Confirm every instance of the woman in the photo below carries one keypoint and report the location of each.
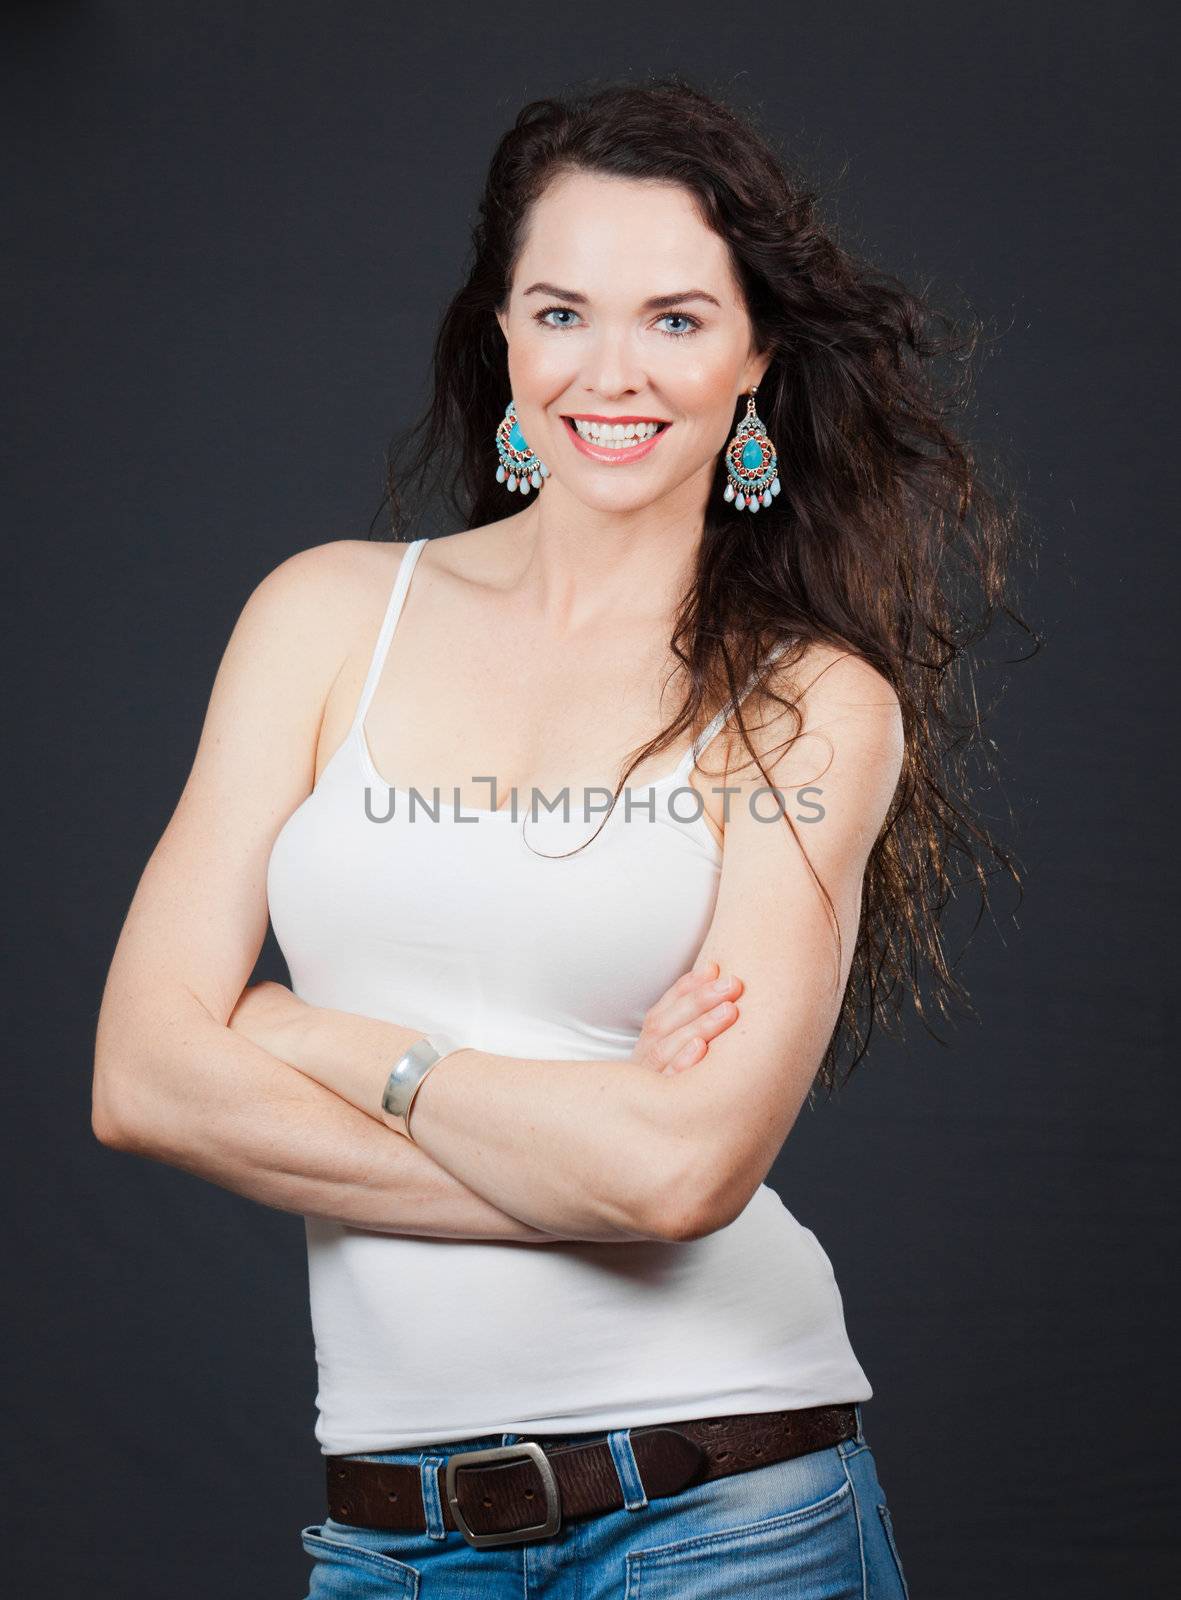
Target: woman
(566, 1335)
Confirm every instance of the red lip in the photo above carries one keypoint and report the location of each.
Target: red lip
(612, 457)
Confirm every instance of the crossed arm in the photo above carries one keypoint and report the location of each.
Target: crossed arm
(546, 1167)
(239, 1104)
(523, 1149)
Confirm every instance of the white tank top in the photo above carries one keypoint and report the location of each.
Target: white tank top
(421, 1340)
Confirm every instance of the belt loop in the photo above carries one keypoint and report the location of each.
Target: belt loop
(635, 1497)
(432, 1503)
(860, 1436)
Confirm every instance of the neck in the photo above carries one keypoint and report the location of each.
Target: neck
(579, 568)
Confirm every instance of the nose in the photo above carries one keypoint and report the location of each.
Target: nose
(613, 367)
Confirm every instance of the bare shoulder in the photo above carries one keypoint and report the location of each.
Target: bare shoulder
(306, 620)
(831, 683)
(836, 701)
(330, 584)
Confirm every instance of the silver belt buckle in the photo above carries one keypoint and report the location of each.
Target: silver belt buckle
(527, 1450)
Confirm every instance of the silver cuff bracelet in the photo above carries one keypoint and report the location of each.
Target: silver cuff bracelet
(407, 1076)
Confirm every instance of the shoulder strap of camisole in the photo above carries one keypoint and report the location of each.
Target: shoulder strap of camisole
(716, 723)
(389, 622)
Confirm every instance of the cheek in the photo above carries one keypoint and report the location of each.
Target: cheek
(704, 395)
(536, 367)
(707, 387)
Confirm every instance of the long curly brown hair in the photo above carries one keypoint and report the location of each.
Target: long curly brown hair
(884, 542)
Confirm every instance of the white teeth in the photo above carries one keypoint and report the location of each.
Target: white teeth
(617, 435)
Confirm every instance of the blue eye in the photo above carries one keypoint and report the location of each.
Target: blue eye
(681, 316)
(669, 316)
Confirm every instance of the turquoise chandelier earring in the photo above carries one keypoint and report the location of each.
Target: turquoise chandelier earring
(519, 467)
(751, 463)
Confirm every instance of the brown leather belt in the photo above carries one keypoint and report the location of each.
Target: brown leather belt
(496, 1495)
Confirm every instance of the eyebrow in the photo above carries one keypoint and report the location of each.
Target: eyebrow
(656, 302)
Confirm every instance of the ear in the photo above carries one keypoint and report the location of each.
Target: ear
(756, 368)
(502, 319)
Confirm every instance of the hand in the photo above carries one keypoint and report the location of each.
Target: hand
(678, 1028)
(265, 1014)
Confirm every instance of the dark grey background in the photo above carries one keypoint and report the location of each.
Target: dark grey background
(231, 232)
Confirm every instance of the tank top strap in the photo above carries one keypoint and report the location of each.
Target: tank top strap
(716, 723)
(389, 622)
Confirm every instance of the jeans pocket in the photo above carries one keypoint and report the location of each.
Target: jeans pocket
(811, 1548)
(888, 1525)
(351, 1562)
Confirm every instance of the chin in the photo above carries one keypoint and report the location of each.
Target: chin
(602, 495)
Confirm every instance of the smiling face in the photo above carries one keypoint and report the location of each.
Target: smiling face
(629, 342)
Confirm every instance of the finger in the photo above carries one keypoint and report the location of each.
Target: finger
(687, 1007)
(715, 1021)
(688, 1056)
(681, 1000)
(688, 981)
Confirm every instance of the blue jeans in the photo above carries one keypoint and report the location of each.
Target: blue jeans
(816, 1528)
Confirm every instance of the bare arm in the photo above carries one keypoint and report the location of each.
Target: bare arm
(254, 1124)
(172, 1081)
(230, 1113)
(351, 1054)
